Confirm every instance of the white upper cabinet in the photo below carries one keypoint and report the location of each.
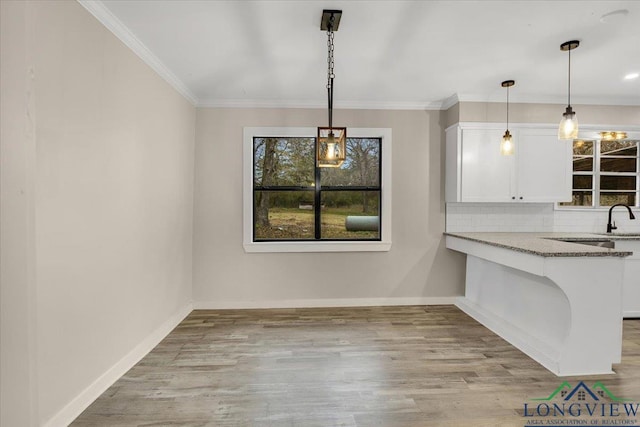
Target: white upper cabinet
(544, 166)
(487, 176)
(539, 171)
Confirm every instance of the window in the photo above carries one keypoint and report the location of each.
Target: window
(605, 173)
(290, 205)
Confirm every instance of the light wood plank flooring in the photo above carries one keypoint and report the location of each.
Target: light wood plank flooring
(374, 366)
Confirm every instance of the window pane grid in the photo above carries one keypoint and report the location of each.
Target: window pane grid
(342, 219)
(608, 169)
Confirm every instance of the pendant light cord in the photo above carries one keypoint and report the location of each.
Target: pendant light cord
(569, 79)
(507, 108)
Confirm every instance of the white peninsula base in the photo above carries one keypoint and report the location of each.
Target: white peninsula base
(564, 312)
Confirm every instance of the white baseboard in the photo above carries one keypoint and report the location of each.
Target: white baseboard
(74, 408)
(631, 314)
(326, 302)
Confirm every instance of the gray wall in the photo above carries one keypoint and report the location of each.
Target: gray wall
(97, 205)
(418, 265)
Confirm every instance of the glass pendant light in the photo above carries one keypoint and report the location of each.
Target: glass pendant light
(568, 128)
(332, 141)
(506, 146)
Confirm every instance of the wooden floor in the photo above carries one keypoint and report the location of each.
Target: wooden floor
(374, 366)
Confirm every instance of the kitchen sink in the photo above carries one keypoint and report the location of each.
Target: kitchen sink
(600, 243)
(620, 234)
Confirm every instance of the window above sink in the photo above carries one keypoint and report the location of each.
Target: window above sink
(605, 172)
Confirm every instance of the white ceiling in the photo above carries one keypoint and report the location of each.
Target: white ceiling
(389, 54)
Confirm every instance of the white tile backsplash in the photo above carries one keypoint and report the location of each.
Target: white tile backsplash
(595, 221)
(534, 217)
(520, 217)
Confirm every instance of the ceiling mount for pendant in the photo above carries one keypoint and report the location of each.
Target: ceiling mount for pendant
(327, 16)
(570, 45)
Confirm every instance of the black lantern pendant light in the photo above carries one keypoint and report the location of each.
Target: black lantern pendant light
(332, 141)
(506, 146)
(569, 124)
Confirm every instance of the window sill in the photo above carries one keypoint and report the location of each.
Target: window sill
(275, 247)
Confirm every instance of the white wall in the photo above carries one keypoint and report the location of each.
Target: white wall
(105, 200)
(418, 266)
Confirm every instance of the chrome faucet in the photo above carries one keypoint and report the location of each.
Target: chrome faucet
(612, 226)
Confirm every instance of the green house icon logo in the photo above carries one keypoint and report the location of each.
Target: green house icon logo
(582, 392)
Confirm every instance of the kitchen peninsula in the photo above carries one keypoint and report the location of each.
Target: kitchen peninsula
(557, 300)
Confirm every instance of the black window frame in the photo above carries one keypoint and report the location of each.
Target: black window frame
(318, 190)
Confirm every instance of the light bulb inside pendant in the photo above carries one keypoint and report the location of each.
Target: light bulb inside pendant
(331, 146)
(506, 146)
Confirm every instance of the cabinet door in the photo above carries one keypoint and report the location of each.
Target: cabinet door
(631, 286)
(543, 166)
(487, 176)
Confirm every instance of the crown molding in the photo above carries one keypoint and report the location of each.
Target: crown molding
(383, 105)
(450, 102)
(560, 99)
(344, 105)
(257, 103)
(113, 24)
(420, 106)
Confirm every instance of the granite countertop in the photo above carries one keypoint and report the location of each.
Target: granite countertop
(551, 244)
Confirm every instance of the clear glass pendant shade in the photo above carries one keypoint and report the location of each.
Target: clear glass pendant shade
(568, 128)
(332, 147)
(506, 146)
